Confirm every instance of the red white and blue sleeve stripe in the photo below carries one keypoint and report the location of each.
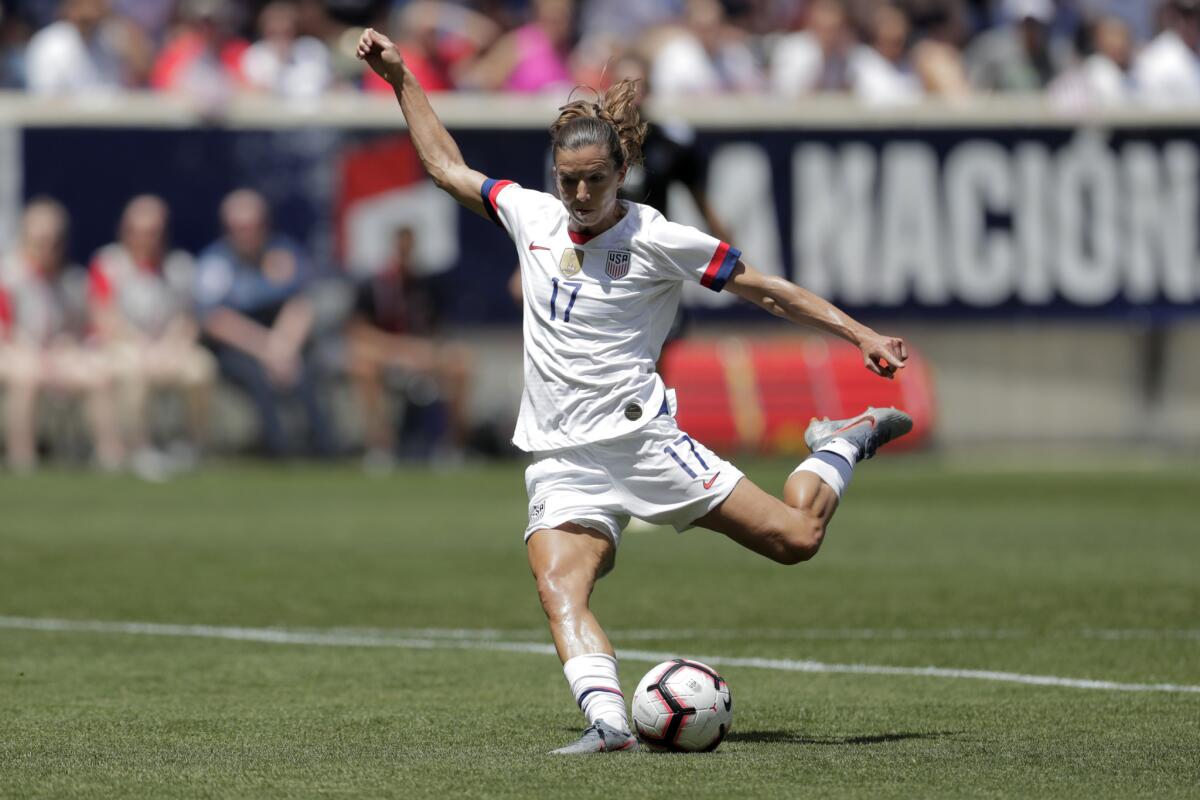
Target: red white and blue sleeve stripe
(720, 266)
(489, 192)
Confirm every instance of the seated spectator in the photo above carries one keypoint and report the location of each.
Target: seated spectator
(86, 53)
(533, 58)
(625, 20)
(942, 21)
(1166, 72)
(14, 38)
(393, 334)
(437, 40)
(152, 17)
(1018, 56)
(251, 292)
(1104, 78)
(41, 350)
(202, 57)
(141, 314)
(326, 22)
(881, 70)
(704, 56)
(817, 58)
(282, 61)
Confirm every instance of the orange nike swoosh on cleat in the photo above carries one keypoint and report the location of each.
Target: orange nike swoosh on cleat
(867, 418)
(708, 484)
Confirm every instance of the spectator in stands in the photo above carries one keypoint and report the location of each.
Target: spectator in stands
(251, 291)
(1166, 72)
(202, 57)
(1104, 77)
(392, 338)
(625, 20)
(533, 58)
(88, 52)
(437, 40)
(141, 314)
(14, 37)
(1020, 55)
(703, 56)
(817, 58)
(316, 18)
(943, 21)
(152, 17)
(910, 67)
(282, 61)
(882, 72)
(42, 323)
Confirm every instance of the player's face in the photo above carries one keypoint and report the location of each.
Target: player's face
(587, 183)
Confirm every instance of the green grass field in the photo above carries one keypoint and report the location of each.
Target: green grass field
(409, 591)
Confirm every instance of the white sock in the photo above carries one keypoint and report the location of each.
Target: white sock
(833, 464)
(593, 681)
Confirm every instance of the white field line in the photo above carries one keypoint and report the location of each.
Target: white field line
(802, 634)
(349, 638)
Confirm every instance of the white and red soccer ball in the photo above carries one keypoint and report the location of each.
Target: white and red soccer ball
(682, 705)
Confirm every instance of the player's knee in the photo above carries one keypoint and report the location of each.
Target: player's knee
(801, 539)
(560, 588)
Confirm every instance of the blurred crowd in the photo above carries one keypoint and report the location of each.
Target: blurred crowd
(1082, 53)
(145, 323)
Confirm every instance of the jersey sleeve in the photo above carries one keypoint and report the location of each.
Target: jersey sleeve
(692, 254)
(509, 205)
(501, 212)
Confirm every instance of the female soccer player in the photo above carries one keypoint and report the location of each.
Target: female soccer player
(601, 280)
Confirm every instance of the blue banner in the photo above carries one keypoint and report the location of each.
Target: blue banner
(1045, 221)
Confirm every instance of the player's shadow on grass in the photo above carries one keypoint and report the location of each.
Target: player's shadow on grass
(792, 737)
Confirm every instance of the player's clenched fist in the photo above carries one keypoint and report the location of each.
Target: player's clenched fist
(381, 54)
(883, 355)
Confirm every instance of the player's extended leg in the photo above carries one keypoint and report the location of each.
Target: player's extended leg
(566, 562)
(791, 530)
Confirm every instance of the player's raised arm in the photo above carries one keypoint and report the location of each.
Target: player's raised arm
(883, 355)
(439, 154)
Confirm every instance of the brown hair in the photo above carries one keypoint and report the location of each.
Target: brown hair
(612, 122)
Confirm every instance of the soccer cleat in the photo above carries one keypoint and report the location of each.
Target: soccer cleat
(600, 738)
(868, 431)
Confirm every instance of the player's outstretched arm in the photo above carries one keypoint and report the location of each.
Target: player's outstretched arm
(883, 355)
(439, 154)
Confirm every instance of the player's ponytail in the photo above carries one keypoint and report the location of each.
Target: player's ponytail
(612, 122)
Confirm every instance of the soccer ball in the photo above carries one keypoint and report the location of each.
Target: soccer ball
(682, 705)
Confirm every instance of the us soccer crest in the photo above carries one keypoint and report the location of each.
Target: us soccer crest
(617, 266)
(571, 262)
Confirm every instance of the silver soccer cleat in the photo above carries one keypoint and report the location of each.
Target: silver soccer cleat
(868, 431)
(600, 738)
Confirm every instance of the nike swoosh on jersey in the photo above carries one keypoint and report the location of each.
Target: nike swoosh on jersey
(708, 484)
(533, 246)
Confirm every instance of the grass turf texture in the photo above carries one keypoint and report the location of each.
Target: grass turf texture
(1025, 566)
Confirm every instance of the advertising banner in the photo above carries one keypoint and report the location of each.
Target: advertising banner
(1045, 221)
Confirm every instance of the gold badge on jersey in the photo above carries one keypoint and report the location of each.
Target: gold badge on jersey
(571, 262)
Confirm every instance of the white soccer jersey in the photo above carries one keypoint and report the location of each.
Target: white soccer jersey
(597, 310)
(147, 296)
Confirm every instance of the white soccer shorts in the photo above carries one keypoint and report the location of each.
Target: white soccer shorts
(658, 474)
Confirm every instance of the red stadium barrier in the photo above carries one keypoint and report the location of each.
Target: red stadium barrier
(748, 394)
